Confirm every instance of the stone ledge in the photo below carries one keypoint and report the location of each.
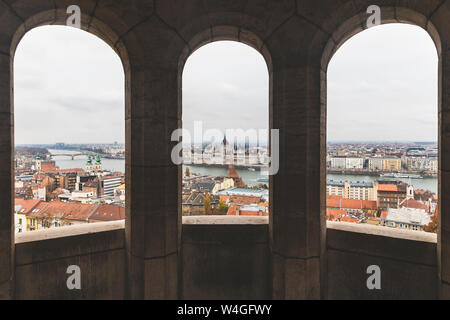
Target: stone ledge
(68, 231)
(383, 231)
(224, 220)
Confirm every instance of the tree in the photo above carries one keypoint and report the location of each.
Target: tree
(222, 207)
(432, 226)
(188, 172)
(207, 204)
(49, 220)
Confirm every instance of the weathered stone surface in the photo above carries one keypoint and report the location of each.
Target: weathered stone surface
(347, 277)
(153, 39)
(225, 261)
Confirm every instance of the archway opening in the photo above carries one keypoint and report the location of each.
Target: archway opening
(382, 130)
(225, 132)
(69, 130)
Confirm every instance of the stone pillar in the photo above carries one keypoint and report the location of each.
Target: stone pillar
(296, 220)
(152, 185)
(6, 176)
(444, 176)
(437, 25)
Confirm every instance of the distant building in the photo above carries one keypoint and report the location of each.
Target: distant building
(261, 193)
(422, 164)
(119, 193)
(193, 204)
(252, 210)
(110, 183)
(21, 209)
(392, 164)
(406, 218)
(391, 195)
(376, 164)
(354, 163)
(94, 167)
(226, 183)
(352, 190)
(338, 163)
(351, 206)
(107, 212)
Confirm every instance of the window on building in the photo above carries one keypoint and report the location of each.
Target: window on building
(382, 85)
(69, 128)
(226, 122)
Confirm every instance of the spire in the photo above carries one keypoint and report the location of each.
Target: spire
(38, 156)
(97, 159)
(89, 159)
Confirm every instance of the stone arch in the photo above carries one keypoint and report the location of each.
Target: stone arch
(199, 40)
(358, 23)
(225, 32)
(347, 29)
(18, 21)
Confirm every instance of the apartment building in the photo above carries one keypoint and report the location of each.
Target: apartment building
(422, 164)
(338, 163)
(354, 163)
(376, 164)
(392, 164)
(352, 190)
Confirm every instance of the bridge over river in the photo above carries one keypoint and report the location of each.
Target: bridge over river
(71, 155)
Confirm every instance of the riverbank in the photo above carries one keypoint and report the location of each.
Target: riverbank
(378, 172)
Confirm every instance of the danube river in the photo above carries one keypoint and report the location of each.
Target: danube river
(65, 162)
(249, 177)
(428, 183)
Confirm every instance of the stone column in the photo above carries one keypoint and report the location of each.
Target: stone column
(6, 176)
(296, 219)
(152, 183)
(444, 178)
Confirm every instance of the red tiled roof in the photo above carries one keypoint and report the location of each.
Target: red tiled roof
(240, 199)
(411, 203)
(232, 210)
(387, 187)
(68, 210)
(74, 170)
(108, 212)
(37, 211)
(335, 202)
(358, 204)
(47, 167)
(25, 205)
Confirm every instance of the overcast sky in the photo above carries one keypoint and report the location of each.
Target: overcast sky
(69, 87)
(383, 85)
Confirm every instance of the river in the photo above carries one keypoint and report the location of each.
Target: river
(427, 183)
(249, 177)
(65, 162)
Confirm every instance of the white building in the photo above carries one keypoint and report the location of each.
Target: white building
(422, 164)
(406, 218)
(354, 163)
(110, 183)
(338, 163)
(376, 164)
